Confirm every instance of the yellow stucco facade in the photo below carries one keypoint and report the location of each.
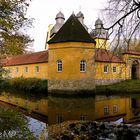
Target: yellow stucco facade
(131, 60)
(114, 72)
(71, 63)
(71, 54)
(37, 70)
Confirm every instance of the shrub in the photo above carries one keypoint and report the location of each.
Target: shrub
(25, 84)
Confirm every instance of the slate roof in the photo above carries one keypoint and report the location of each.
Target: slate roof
(103, 55)
(73, 31)
(36, 57)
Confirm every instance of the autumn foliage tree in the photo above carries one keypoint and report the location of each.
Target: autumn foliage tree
(15, 44)
(12, 19)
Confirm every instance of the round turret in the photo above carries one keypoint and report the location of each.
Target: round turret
(80, 17)
(60, 15)
(98, 23)
(80, 14)
(59, 23)
(60, 18)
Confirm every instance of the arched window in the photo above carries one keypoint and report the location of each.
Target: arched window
(59, 66)
(82, 66)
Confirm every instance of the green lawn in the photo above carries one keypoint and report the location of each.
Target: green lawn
(128, 86)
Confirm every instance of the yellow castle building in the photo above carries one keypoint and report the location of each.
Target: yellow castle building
(76, 59)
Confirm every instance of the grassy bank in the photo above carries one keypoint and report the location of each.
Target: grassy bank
(32, 85)
(128, 86)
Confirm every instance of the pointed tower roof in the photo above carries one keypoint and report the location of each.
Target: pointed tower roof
(72, 31)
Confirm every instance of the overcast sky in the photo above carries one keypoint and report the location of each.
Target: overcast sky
(44, 13)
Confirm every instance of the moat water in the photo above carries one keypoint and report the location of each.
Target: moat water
(45, 111)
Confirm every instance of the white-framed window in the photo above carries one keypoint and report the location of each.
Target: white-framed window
(114, 69)
(106, 69)
(26, 69)
(115, 108)
(106, 110)
(17, 69)
(82, 66)
(36, 69)
(59, 66)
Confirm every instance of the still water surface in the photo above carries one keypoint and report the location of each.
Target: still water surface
(56, 109)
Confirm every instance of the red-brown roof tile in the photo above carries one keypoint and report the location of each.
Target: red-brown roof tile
(133, 52)
(36, 57)
(103, 55)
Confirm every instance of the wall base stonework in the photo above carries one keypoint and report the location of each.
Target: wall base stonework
(107, 81)
(71, 85)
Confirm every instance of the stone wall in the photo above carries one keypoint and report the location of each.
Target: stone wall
(71, 85)
(107, 81)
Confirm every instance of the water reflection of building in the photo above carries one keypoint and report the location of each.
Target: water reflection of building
(39, 106)
(70, 108)
(99, 108)
(132, 110)
(115, 107)
(110, 108)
